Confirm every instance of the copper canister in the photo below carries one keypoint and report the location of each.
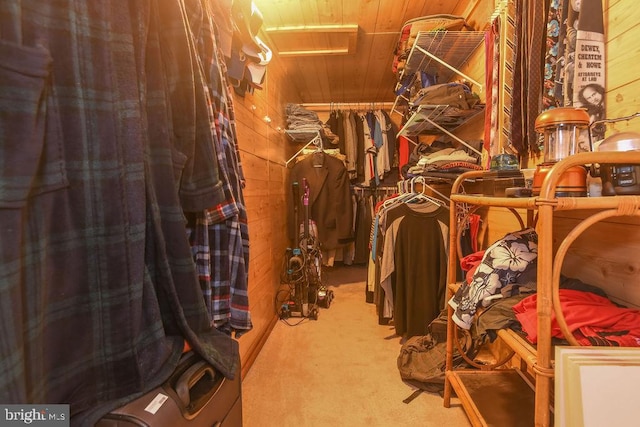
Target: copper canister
(572, 183)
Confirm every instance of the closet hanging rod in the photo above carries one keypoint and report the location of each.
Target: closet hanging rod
(328, 106)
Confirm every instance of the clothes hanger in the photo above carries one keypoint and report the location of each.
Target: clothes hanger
(391, 201)
(317, 139)
(318, 154)
(405, 193)
(422, 196)
(422, 180)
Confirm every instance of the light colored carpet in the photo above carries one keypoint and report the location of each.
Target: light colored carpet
(339, 370)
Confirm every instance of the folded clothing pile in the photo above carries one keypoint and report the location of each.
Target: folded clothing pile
(457, 95)
(440, 156)
(300, 118)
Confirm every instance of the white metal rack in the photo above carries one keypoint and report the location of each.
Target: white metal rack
(436, 119)
(307, 136)
(439, 53)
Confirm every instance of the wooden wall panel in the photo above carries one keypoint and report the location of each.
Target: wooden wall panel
(501, 221)
(263, 151)
(605, 255)
(477, 12)
(622, 18)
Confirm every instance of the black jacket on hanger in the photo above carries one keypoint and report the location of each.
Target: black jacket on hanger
(329, 200)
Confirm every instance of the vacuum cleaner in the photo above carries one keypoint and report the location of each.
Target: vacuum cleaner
(303, 266)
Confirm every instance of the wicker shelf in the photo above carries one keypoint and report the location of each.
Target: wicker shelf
(517, 343)
(494, 398)
(473, 387)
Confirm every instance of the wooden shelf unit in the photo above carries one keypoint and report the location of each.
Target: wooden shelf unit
(536, 411)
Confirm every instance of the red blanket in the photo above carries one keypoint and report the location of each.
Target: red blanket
(594, 320)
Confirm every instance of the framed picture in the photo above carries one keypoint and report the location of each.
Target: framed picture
(596, 386)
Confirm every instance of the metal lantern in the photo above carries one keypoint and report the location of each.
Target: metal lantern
(562, 129)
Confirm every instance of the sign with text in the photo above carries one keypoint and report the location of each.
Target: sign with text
(589, 71)
(34, 415)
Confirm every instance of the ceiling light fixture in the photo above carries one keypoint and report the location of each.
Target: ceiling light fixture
(309, 40)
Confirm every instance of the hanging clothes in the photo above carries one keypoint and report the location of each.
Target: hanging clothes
(351, 143)
(360, 150)
(391, 132)
(219, 236)
(332, 121)
(404, 152)
(364, 218)
(405, 232)
(414, 266)
(341, 131)
(554, 59)
(367, 139)
(329, 201)
(382, 143)
(370, 150)
(95, 246)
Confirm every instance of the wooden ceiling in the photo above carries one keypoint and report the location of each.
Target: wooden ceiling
(341, 51)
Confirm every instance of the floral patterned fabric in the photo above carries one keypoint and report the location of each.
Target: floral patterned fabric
(502, 263)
